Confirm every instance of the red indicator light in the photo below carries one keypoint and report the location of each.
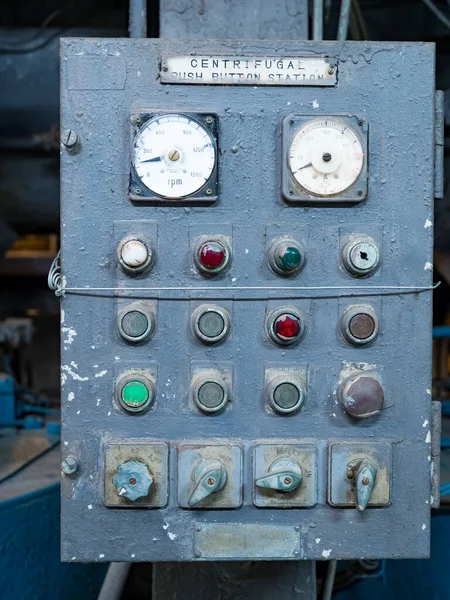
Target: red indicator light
(212, 255)
(287, 326)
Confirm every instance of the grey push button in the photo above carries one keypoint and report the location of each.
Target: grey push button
(210, 323)
(210, 393)
(285, 395)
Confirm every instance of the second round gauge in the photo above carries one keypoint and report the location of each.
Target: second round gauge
(174, 155)
(326, 156)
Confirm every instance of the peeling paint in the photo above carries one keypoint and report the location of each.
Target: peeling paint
(425, 423)
(101, 374)
(315, 104)
(172, 536)
(326, 553)
(318, 540)
(133, 555)
(72, 373)
(89, 506)
(165, 525)
(71, 396)
(428, 438)
(428, 266)
(424, 527)
(101, 556)
(428, 224)
(71, 333)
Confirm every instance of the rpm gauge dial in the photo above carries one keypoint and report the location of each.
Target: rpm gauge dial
(325, 157)
(174, 156)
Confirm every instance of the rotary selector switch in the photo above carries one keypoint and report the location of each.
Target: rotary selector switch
(361, 474)
(133, 480)
(210, 476)
(361, 396)
(361, 257)
(285, 475)
(286, 257)
(135, 255)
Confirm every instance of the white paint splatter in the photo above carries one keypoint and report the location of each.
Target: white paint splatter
(424, 527)
(233, 279)
(62, 316)
(117, 358)
(78, 412)
(429, 391)
(109, 413)
(72, 373)
(155, 539)
(101, 374)
(73, 558)
(246, 251)
(165, 525)
(426, 502)
(172, 536)
(315, 104)
(74, 364)
(71, 333)
(425, 423)
(98, 401)
(66, 443)
(95, 366)
(91, 477)
(333, 415)
(428, 438)
(288, 103)
(133, 555)
(89, 506)
(71, 396)
(428, 266)
(428, 224)
(326, 553)
(318, 540)
(432, 499)
(101, 556)
(93, 347)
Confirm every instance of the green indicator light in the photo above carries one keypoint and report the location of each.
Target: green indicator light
(135, 394)
(289, 258)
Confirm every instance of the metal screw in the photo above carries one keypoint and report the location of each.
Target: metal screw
(138, 191)
(234, 149)
(350, 474)
(209, 192)
(296, 528)
(360, 192)
(365, 481)
(138, 120)
(197, 554)
(291, 121)
(69, 465)
(287, 480)
(69, 138)
(360, 123)
(198, 528)
(330, 71)
(209, 120)
(174, 155)
(295, 553)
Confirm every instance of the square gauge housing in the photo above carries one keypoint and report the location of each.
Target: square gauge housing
(174, 158)
(328, 153)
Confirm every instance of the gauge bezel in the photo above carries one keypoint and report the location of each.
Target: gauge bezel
(293, 192)
(140, 193)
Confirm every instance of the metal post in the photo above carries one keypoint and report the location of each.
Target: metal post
(344, 18)
(318, 20)
(137, 23)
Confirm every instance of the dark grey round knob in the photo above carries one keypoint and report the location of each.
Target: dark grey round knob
(362, 396)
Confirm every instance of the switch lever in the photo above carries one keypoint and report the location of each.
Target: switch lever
(364, 474)
(210, 476)
(285, 475)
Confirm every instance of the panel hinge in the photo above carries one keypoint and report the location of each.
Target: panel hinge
(439, 145)
(435, 431)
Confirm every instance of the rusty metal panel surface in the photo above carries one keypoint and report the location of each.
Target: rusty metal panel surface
(375, 83)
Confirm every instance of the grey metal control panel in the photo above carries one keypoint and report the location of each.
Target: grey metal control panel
(247, 272)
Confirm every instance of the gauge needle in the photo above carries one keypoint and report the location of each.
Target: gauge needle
(304, 167)
(155, 159)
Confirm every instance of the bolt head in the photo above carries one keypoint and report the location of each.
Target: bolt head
(69, 465)
(69, 138)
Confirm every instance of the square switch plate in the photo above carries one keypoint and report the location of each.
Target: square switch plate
(303, 496)
(155, 456)
(190, 456)
(340, 454)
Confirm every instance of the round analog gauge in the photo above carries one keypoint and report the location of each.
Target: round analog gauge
(326, 157)
(174, 155)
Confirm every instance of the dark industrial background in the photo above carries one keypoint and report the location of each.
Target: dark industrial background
(29, 311)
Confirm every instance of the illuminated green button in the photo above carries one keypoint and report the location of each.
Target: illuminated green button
(135, 394)
(288, 258)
